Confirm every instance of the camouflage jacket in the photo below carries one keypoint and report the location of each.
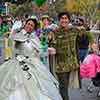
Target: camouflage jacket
(66, 50)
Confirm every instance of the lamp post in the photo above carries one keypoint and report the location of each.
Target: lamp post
(6, 5)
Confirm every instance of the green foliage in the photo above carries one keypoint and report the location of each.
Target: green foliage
(97, 17)
(90, 36)
(4, 29)
(12, 9)
(88, 8)
(56, 7)
(84, 7)
(20, 10)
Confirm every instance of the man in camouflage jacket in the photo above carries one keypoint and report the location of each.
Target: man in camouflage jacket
(66, 53)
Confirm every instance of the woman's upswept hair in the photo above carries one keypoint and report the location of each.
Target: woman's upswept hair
(34, 21)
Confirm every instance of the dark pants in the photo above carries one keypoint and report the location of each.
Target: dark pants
(63, 84)
(52, 64)
(82, 54)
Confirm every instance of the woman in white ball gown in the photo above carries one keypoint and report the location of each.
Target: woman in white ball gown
(24, 77)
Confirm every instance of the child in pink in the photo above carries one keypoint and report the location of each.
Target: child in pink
(91, 64)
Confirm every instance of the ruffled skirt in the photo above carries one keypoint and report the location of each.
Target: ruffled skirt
(35, 84)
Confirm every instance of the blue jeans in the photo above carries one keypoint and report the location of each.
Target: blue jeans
(82, 54)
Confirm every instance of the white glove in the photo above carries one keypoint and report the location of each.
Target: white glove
(20, 58)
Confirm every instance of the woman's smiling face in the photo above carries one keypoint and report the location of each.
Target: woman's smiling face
(29, 26)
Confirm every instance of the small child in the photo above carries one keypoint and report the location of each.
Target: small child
(91, 64)
(90, 67)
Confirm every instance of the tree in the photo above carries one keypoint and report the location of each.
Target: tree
(85, 7)
(12, 9)
(72, 6)
(20, 10)
(56, 7)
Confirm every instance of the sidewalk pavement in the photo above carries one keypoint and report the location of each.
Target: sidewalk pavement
(83, 94)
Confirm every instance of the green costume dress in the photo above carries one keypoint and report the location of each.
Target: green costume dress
(44, 45)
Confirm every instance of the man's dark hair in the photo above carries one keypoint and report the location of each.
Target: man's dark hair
(62, 14)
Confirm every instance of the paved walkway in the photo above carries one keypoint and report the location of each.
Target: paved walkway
(83, 94)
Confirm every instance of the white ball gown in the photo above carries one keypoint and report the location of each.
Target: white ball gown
(24, 77)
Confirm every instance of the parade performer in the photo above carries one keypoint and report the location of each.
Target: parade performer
(45, 30)
(24, 77)
(66, 65)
